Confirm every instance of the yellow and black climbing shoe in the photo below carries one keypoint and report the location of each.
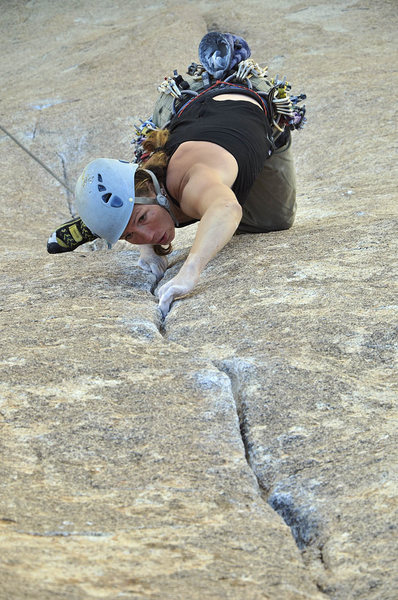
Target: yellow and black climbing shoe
(69, 236)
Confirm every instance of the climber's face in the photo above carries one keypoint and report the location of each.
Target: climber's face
(149, 224)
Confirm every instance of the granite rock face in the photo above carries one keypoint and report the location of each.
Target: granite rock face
(246, 446)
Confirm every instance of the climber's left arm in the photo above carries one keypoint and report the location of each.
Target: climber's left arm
(207, 198)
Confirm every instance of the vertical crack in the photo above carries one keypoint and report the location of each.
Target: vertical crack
(303, 522)
(233, 369)
(161, 322)
(162, 326)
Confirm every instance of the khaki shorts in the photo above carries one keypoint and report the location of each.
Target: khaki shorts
(271, 202)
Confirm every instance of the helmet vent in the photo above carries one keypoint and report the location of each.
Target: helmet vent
(99, 177)
(116, 202)
(101, 188)
(106, 198)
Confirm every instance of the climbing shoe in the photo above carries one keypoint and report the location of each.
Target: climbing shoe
(69, 236)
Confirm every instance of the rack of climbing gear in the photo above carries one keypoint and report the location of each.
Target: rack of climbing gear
(141, 131)
(287, 112)
(224, 60)
(247, 68)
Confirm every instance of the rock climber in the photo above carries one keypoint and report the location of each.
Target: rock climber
(217, 162)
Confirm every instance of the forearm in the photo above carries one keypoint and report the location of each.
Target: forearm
(215, 229)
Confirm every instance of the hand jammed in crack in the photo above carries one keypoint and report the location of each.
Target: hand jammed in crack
(177, 287)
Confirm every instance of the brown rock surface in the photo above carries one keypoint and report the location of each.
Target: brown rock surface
(246, 448)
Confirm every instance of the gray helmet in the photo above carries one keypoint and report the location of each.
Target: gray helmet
(105, 196)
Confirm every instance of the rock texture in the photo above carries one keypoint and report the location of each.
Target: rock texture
(246, 447)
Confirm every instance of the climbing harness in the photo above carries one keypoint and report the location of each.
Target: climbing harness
(220, 85)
